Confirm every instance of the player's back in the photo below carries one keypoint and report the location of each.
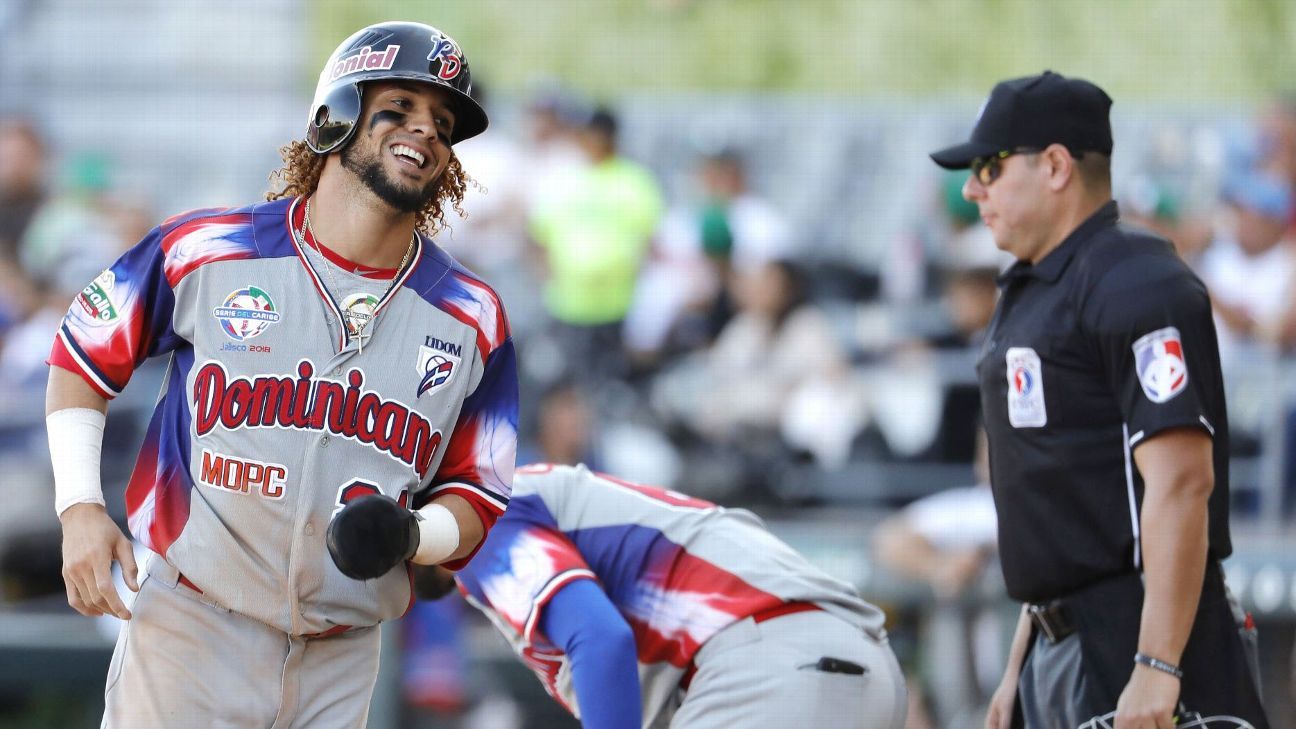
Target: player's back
(678, 570)
(667, 558)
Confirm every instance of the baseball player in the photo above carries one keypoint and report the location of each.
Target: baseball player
(322, 348)
(642, 607)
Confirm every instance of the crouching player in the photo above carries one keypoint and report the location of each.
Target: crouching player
(642, 607)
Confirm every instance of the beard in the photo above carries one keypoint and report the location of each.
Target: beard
(369, 169)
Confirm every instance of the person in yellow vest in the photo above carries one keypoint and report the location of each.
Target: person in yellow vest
(594, 232)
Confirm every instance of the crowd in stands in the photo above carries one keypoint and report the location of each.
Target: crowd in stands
(683, 334)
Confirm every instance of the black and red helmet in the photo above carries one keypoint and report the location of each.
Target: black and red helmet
(392, 50)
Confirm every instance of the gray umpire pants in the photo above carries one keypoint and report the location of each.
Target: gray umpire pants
(1052, 684)
(1079, 679)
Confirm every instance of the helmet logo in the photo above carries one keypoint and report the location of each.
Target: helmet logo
(365, 60)
(445, 50)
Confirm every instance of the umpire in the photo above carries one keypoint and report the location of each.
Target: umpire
(1104, 405)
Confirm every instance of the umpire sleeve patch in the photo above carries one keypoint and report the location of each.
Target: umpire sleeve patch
(1161, 365)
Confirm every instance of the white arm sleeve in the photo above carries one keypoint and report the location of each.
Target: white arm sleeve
(438, 535)
(76, 445)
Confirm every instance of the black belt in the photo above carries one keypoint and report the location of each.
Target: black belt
(1052, 620)
(1056, 620)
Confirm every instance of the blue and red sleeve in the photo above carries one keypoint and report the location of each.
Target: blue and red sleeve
(482, 450)
(125, 315)
(583, 622)
(118, 320)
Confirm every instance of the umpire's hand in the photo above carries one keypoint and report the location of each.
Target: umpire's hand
(371, 535)
(91, 541)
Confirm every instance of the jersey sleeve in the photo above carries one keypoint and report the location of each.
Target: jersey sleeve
(583, 622)
(482, 450)
(119, 319)
(1154, 331)
(518, 570)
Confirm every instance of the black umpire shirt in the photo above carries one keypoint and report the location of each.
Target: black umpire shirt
(1104, 343)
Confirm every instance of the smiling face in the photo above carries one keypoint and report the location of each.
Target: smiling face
(402, 142)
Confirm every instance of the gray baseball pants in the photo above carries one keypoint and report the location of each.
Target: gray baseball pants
(182, 661)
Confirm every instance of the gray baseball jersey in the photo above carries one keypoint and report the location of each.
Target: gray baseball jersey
(680, 571)
(271, 417)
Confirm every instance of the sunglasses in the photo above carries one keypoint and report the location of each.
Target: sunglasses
(988, 169)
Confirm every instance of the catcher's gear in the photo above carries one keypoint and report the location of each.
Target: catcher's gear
(393, 50)
(371, 535)
(1183, 720)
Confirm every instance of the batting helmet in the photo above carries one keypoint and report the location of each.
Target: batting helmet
(392, 50)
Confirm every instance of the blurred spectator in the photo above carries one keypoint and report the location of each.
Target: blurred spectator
(19, 296)
(728, 227)
(564, 427)
(950, 234)
(22, 181)
(1248, 270)
(1153, 204)
(74, 236)
(946, 541)
(594, 230)
(32, 313)
(493, 230)
(549, 147)
(968, 296)
(735, 224)
(923, 403)
(513, 172)
(491, 238)
(776, 370)
(1277, 141)
(943, 540)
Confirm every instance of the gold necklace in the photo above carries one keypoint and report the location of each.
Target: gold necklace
(358, 324)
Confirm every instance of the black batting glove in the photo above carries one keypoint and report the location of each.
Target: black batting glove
(371, 535)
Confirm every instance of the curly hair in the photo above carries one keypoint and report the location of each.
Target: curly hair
(300, 175)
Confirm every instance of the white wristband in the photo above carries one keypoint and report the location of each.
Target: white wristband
(438, 535)
(75, 445)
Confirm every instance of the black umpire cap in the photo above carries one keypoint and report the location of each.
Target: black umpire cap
(1034, 112)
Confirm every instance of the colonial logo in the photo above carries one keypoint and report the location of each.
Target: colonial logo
(1025, 389)
(1159, 361)
(96, 301)
(445, 60)
(436, 367)
(363, 60)
(246, 313)
(307, 402)
(359, 309)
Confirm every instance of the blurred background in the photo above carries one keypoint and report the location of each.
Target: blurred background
(777, 310)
